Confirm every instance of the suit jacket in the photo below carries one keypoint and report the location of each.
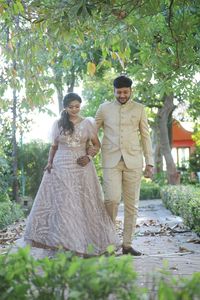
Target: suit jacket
(126, 134)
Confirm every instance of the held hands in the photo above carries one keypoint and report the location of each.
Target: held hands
(92, 151)
(148, 172)
(83, 160)
(48, 167)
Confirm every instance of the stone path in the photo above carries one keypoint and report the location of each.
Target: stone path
(160, 236)
(164, 241)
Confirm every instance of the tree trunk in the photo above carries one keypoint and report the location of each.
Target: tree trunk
(163, 116)
(158, 158)
(59, 91)
(71, 82)
(59, 88)
(169, 125)
(14, 147)
(14, 55)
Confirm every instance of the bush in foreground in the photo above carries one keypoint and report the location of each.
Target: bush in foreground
(70, 277)
(66, 277)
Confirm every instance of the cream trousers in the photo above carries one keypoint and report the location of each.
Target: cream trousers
(121, 182)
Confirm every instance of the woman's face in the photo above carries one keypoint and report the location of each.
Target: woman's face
(73, 108)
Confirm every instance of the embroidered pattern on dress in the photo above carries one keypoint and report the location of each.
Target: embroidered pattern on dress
(72, 140)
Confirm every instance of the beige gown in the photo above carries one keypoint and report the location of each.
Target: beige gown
(68, 210)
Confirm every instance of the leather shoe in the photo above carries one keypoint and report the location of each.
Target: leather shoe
(131, 251)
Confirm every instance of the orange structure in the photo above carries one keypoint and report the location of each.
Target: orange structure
(182, 143)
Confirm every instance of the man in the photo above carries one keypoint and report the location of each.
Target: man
(126, 134)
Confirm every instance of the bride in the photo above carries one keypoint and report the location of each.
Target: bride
(68, 211)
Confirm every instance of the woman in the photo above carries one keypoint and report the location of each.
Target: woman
(68, 210)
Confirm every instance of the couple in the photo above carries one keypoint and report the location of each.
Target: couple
(69, 211)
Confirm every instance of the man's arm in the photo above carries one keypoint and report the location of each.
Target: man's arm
(99, 117)
(92, 151)
(146, 144)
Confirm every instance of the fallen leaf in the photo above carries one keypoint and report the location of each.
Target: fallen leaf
(195, 241)
(183, 249)
(174, 268)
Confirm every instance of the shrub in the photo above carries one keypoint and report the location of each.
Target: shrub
(184, 201)
(149, 190)
(4, 169)
(9, 213)
(32, 157)
(66, 277)
(173, 288)
(72, 278)
(5, 178)
(194, 161)
(160, 178)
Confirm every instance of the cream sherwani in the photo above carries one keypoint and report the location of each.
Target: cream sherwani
(126, 139)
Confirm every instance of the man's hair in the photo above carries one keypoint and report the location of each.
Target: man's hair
(122, 81)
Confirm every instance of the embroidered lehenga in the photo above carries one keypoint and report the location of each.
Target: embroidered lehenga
(68, 210)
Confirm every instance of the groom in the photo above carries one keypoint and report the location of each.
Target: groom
(126, 138)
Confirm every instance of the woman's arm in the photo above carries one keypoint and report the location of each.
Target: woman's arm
(92, 150)
(52, 153)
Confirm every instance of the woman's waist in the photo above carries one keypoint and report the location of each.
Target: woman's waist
(74, 148)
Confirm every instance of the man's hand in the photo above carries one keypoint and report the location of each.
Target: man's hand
(148, 172)
(48, 167)
(83, 160)
(92, 151)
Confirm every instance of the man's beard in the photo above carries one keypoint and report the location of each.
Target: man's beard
(123, 102)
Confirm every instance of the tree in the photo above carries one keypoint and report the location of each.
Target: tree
(147, 39)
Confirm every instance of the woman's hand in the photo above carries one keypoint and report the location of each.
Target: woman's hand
(83, 160)
(48, 167)
(91, 150)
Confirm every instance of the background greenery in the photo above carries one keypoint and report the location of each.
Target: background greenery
(48, 49)
(32, 158)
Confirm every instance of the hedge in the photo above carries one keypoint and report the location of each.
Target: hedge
(185, 202)
(149, 190)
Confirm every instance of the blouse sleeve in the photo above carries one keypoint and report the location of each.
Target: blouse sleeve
(54, 134)
(91, 127)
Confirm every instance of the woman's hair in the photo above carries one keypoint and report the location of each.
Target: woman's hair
(64, 121)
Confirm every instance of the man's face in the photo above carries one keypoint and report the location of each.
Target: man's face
(122, 94)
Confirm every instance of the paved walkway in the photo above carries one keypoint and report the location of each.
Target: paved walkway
(161, 236)
(164, 241)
